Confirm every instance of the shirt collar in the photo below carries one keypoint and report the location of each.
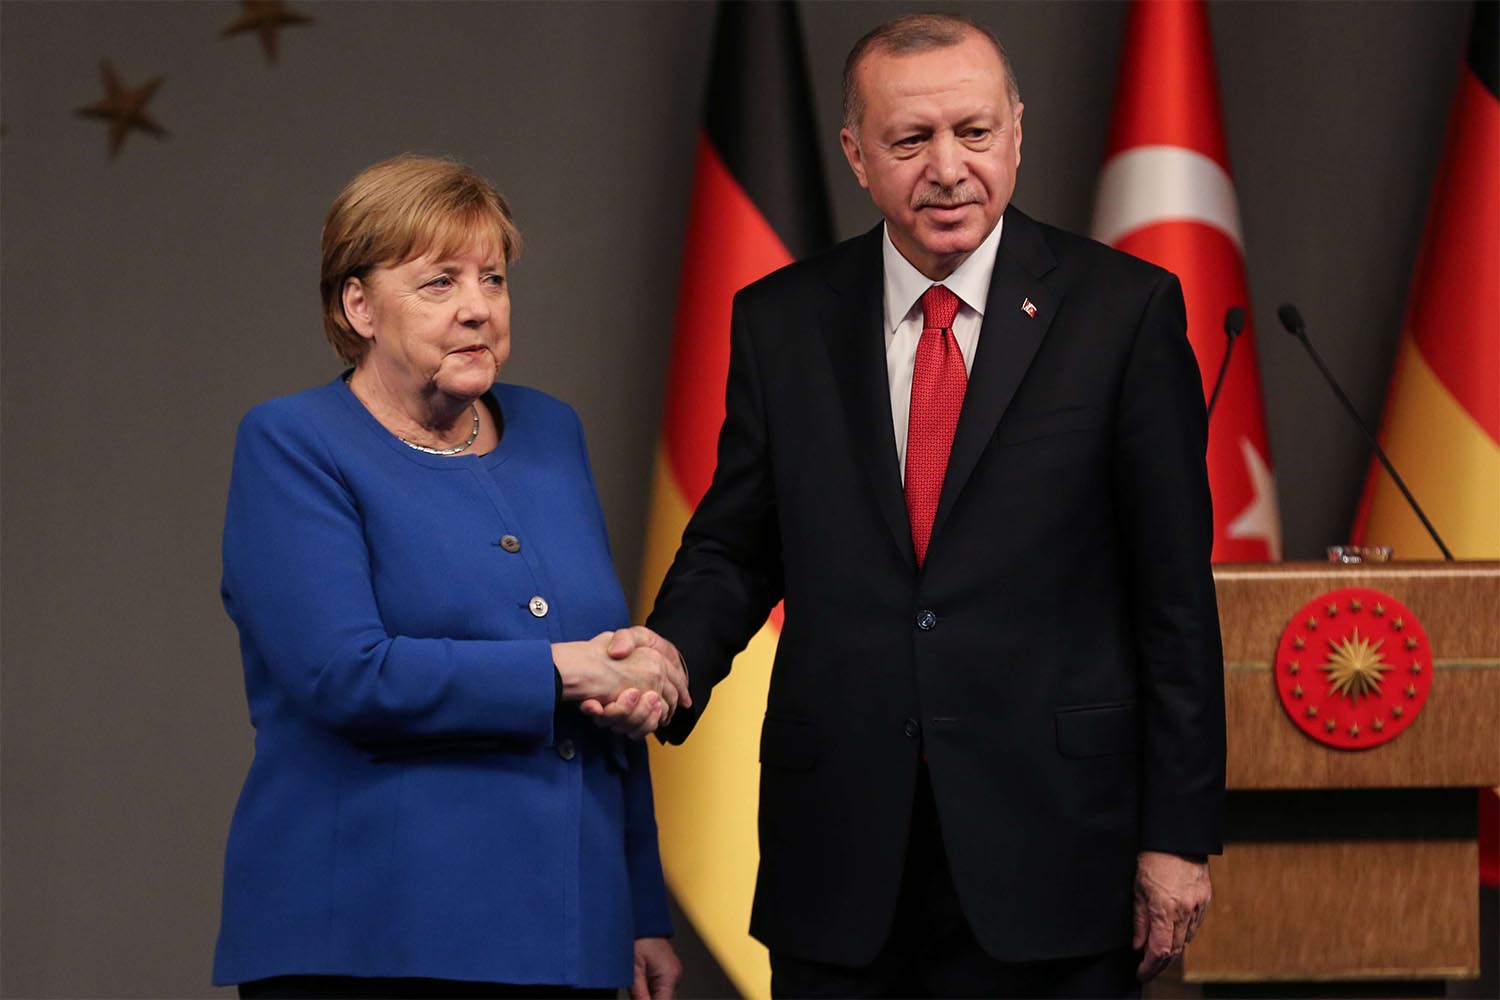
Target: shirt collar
(904, 284)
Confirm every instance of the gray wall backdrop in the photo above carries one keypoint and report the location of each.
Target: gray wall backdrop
(149, 301)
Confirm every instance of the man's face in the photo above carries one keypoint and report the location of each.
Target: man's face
(938, 149)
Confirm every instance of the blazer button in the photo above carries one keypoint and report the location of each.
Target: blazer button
(566, 750)
(926, 620)
(910, 728)
(510, 543)
(538, 607)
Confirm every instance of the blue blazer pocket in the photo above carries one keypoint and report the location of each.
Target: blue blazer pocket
(1018, 428)
(1098, 730)
(788, 743)
(381, 753)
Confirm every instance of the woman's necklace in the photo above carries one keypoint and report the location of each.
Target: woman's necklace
(455, 450)
(473, 436)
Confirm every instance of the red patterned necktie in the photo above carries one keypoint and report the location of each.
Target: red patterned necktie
(938, 382)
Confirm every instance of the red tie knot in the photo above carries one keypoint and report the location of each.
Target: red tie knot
(939, 306)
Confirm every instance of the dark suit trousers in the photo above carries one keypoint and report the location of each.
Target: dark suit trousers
(931, 952)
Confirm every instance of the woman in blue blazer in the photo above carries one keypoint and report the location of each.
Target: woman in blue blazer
(417, 563)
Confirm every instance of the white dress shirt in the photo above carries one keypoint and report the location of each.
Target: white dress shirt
(904, 286)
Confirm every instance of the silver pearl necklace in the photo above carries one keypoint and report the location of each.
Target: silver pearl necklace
(456, 449)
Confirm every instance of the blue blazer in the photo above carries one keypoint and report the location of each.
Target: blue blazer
(418, 805)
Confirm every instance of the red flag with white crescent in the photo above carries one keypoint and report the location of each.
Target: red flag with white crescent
(1166, 194)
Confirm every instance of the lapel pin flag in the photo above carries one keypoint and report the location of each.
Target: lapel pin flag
(1028, 308)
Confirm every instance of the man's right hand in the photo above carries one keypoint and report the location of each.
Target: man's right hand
(612, 663)
(1171, 899)
(630, 681)
(619, 715)
(634, 714)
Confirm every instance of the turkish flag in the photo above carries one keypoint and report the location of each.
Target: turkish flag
(1166, 194)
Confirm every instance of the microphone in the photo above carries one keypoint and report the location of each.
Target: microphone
(1234, 324)
(1291, 319)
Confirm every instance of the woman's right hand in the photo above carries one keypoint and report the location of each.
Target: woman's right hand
(598, 680)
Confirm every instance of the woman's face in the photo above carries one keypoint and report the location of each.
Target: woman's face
(435, 324)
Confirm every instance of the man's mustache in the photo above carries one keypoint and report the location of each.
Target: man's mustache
(947, 197)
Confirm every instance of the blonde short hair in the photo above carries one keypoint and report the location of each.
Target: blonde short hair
(400, 209)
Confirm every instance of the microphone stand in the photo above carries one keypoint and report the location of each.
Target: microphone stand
(1234, 322)
(1291, 319)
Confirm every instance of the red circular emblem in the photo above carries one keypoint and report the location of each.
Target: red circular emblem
(1353, 668)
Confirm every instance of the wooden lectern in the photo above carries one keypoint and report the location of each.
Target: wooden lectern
(1353, 864)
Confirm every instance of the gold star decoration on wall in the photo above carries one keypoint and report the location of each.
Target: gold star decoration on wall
(123, 107)
(266, 18)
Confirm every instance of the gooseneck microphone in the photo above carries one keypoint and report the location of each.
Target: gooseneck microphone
(1291, 319)
(1234, 323)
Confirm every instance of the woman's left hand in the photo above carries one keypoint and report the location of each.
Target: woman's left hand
(657, 970)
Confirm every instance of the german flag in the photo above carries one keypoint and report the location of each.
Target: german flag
(758, 203)
(1442, 414)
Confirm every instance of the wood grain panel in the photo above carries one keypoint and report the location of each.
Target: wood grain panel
(1329, 911)
(1453, 743)
(1459, 603)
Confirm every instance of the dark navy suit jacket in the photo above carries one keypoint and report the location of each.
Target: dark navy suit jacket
(1057, 657)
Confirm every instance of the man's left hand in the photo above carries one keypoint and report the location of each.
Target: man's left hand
(1171, 898)
(656, 970)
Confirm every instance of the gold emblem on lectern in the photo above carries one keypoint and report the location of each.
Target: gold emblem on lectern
(1355, 667)
(1355, 644)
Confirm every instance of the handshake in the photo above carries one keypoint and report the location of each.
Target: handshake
(630, 681)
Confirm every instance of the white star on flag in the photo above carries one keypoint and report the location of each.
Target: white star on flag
(1262, 519)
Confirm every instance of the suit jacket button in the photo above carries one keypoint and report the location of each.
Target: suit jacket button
(566, 750)
(910, 728)
(538, 606)
(926, 620)
(510, 543)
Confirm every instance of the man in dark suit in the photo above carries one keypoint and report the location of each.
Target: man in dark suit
(967, 449)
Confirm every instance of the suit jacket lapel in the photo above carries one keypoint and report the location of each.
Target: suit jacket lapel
(1008, 340)
(856, 348)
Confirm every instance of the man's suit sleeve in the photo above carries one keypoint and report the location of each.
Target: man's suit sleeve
(1166, 521)
(727, 575)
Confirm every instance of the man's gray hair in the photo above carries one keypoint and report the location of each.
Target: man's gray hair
(916, 33)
